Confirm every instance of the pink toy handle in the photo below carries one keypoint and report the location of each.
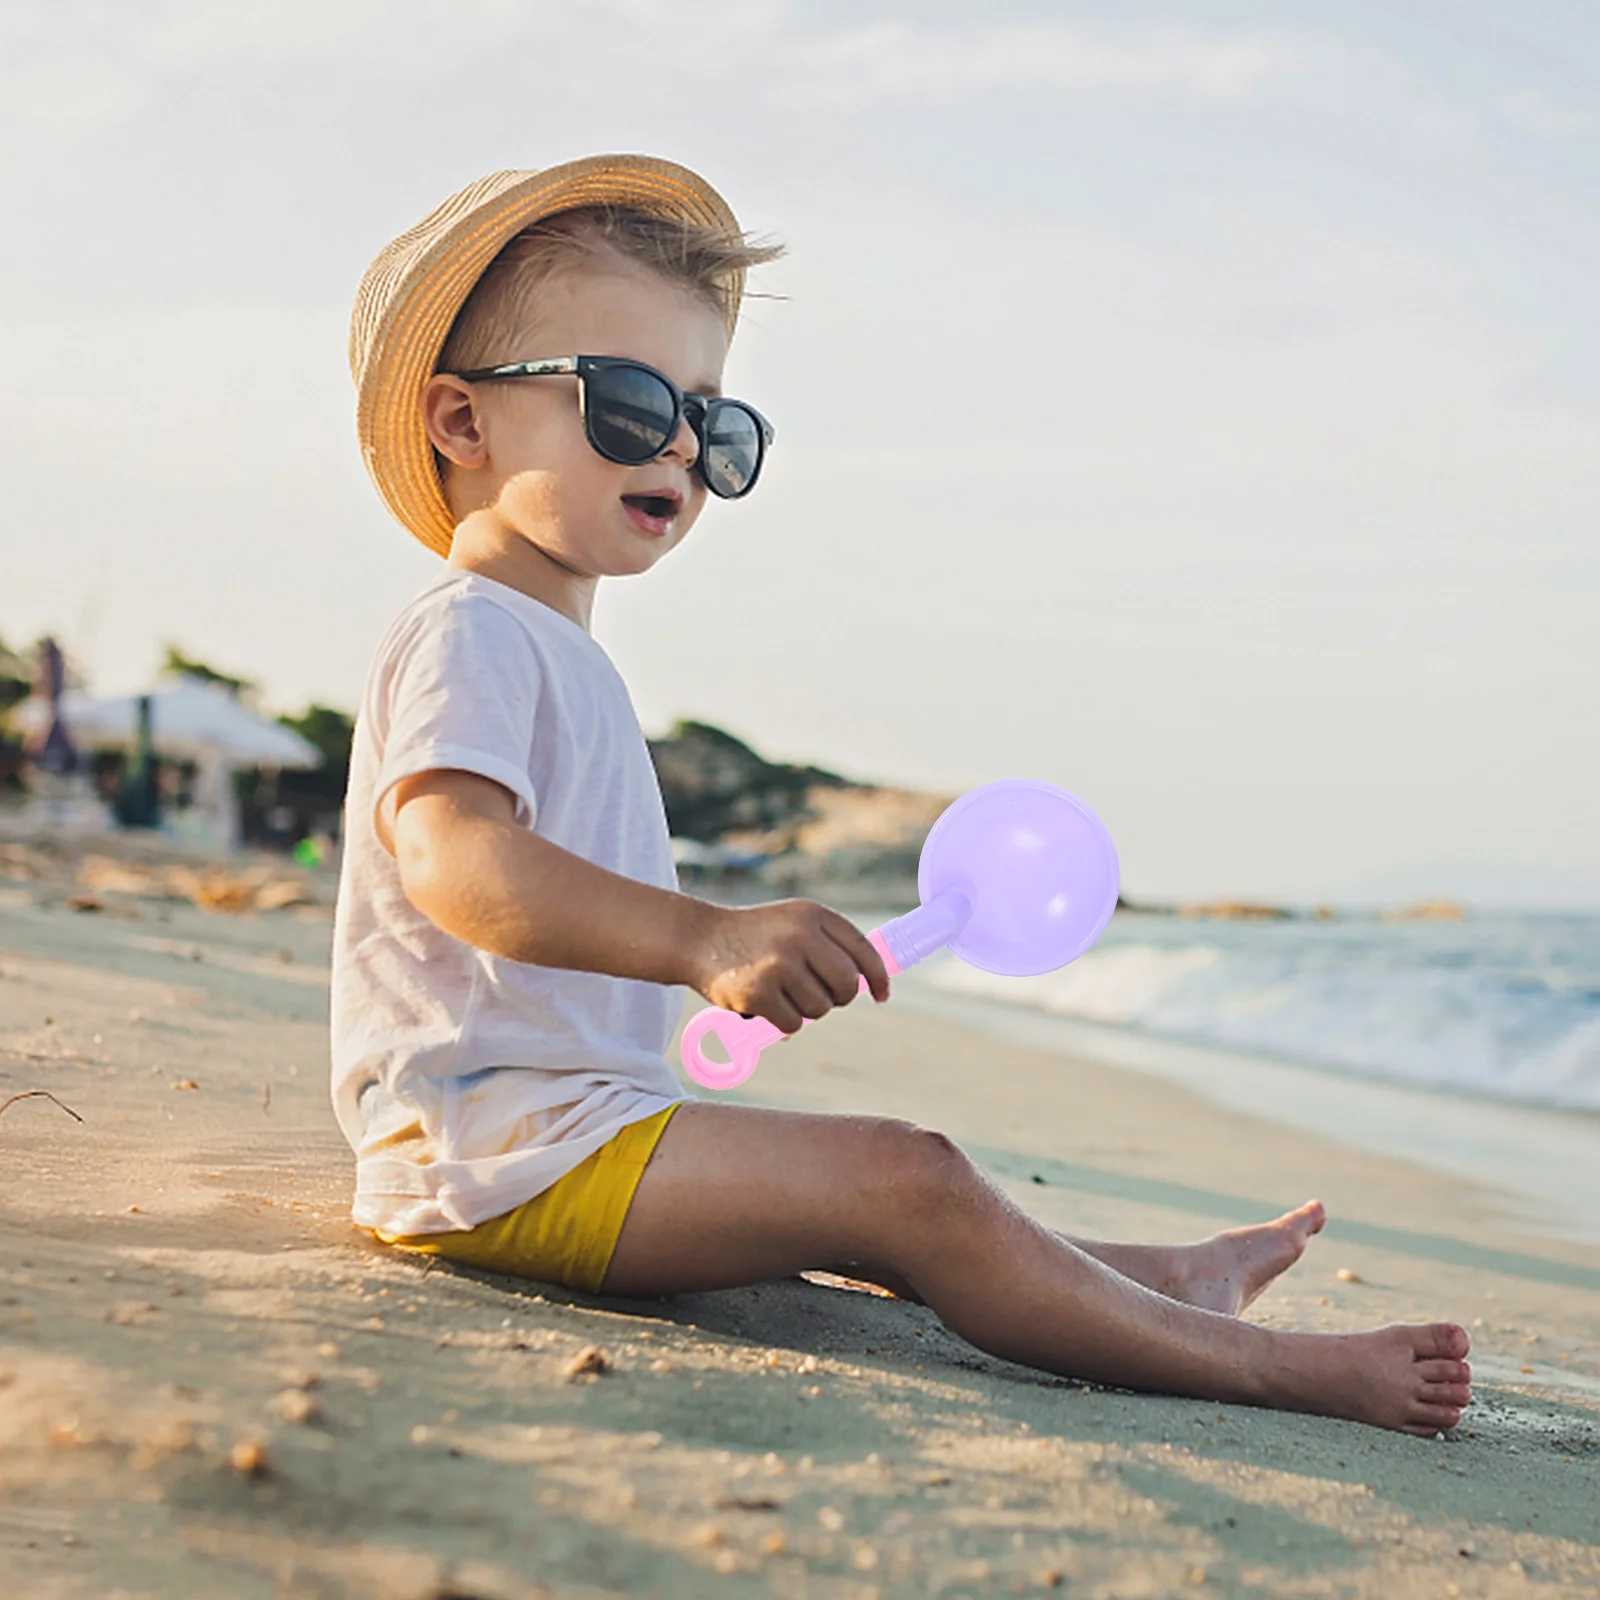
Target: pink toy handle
(744, 1038)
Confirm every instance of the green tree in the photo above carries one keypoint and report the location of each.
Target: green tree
(175, 662)
(330, 730)
(16, 679)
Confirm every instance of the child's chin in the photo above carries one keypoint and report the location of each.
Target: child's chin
(639, 557)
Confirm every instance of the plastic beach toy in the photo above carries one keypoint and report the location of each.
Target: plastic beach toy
(1016, 878)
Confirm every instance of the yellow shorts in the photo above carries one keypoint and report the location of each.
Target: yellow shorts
(567, 1233)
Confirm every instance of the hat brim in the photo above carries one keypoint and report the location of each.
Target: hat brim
(413, 291)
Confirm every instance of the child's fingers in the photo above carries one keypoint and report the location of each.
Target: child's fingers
(805, 992)
(834, 970)
(782, 1015)
(862, 952)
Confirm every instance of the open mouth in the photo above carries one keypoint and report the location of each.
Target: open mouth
(658, 507)
(653, 514)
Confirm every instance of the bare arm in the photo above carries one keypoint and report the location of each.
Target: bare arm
(468, 866)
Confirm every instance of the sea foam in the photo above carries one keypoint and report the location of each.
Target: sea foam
(1505, 1007)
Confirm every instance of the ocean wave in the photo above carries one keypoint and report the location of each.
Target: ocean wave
(1507, 1007)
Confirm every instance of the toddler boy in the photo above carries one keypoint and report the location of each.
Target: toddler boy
(539, 365)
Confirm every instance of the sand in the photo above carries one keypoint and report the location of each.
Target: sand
(211, 1385)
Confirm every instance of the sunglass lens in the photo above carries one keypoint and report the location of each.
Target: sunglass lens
(630, 412)
(731, 449)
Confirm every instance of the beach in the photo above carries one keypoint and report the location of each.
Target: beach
(211, 1384)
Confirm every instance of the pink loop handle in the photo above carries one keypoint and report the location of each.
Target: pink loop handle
(744, 1038)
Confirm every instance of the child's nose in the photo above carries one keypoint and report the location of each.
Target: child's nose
(684, 445)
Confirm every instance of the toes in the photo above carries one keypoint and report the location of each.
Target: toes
(1424, 1418)
(1437, 1371)
(1440, 1341)
(1307, 1219)
(1446, 1394)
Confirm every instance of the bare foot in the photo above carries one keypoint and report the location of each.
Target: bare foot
(1227, 1271)
(1413, 1378)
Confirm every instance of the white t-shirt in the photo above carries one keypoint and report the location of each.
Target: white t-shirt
(467, 1083)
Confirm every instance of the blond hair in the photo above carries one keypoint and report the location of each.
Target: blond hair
(708, 262)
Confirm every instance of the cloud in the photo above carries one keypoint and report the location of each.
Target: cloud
(69, 69)
(72, 68)
(896, 61)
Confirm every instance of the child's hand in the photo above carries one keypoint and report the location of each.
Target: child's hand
(786, 962)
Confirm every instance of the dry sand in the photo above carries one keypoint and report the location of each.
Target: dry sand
(210, 1385)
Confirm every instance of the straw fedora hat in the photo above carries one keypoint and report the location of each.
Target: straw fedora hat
(411, 294)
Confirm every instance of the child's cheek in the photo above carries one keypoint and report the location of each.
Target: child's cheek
(529, 503)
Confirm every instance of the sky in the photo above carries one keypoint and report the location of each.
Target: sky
(1194, 406)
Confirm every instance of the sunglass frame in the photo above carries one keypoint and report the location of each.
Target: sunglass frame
(693, 408)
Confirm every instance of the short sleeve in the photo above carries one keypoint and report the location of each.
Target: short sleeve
(460, 693)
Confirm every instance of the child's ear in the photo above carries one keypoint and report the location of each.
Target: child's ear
(450, 414)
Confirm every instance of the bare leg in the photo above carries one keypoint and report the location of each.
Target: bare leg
(737, 1195)
(1223, 1273)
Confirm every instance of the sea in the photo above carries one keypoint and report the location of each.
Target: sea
(1503, 1007)
(1470, 1047)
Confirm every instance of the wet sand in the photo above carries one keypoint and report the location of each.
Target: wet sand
(210, 1385)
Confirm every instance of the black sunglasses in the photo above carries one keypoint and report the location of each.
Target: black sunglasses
(631, 413)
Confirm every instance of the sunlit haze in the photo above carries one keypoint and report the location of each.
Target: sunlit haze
(1196, 406)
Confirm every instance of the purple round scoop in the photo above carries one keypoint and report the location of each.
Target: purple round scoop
(1016, 877)
(1036, 868)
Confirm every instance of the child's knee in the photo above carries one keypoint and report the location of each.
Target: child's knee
(923, 1170)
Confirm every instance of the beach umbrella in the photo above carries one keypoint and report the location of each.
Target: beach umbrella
(183, 719)
(189, 721)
